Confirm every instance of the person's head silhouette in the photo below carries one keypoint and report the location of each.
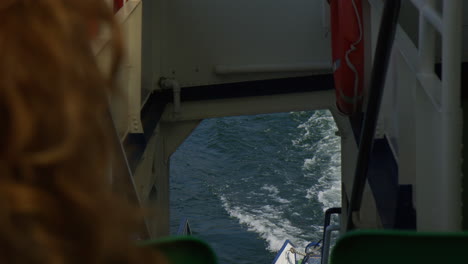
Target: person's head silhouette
(55, 202)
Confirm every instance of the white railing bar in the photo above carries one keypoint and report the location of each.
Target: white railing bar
(429, 13)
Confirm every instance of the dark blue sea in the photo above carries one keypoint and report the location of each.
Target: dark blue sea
(249, 183)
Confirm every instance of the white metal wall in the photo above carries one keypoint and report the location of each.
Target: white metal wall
(126, 104)
(220, 41)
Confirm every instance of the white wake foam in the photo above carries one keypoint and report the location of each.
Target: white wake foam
(326, 159)
(270, 188)
(273, 193)
(268, 222)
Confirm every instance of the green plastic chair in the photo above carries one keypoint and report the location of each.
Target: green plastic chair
(183, 249)
(392, 247)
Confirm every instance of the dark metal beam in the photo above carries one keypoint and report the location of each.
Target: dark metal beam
(383, 50)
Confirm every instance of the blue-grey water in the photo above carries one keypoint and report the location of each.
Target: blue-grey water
(249, 183)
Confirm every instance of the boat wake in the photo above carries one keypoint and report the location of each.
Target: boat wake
(283, 211)
(325, 164)
(267, 221)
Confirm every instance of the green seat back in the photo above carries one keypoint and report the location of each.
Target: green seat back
(400, 247)
(183, 249)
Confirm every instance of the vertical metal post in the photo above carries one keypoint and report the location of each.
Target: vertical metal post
(451, 54)
(427, 42)
(451, 111)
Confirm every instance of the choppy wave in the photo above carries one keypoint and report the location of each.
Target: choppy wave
(273, 192)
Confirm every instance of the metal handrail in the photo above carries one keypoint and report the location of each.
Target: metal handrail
(327, 242)
(383, 50)
(328, 213)
(327, 229)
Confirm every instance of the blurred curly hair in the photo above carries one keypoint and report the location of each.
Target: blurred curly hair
(56, 205)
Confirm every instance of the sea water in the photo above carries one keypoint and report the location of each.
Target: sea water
(248, 183)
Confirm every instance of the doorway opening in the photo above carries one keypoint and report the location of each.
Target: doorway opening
(248, 183)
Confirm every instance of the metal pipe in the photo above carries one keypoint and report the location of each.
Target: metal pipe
(176, 89)
(327, 241)
(383, 50)
(272, 68)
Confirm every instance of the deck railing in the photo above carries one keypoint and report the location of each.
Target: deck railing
(439, 167)
(426, 117)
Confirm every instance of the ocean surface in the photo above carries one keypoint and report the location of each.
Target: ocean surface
(248, 183)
